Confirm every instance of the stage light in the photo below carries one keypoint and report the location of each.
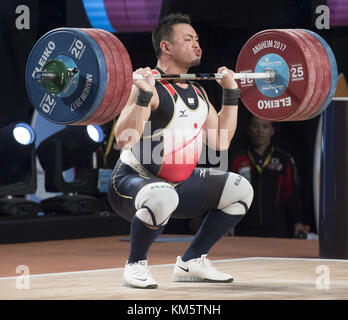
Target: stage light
(16, 141)
(23, 134)
(71, 147)
(17, 169)
(95, 133)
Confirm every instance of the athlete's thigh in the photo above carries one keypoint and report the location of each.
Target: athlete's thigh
(123, 188)
(200, 193)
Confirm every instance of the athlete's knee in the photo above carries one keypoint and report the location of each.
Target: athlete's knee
(247, 191)
(155, 202)
(237, 195)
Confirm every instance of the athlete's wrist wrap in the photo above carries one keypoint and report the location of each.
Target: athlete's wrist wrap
(230, 97)
(143, 98)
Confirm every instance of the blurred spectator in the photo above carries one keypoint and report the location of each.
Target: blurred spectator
(276, 210)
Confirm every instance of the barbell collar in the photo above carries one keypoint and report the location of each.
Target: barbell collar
(46, 76)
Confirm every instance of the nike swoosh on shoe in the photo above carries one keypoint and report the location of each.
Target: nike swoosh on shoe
(185, 269)
(140, 279)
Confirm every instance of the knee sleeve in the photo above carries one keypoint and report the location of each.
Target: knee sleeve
(237, 195)
(155, 202)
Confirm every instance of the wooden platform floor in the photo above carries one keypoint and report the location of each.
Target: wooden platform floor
(263, 268)
(111, 252)
(254, 278)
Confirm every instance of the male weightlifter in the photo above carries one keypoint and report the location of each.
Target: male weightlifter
(161, 131)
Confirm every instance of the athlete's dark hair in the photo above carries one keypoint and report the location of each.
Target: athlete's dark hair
(164, 29)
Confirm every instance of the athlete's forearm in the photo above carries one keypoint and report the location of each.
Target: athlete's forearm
(227, 122)
(130, 125)
(227, 125)
(131, 122)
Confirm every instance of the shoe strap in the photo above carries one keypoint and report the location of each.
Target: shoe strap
(140, 262)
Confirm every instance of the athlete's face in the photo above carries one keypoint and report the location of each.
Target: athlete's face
(185, 49)
(260, 131)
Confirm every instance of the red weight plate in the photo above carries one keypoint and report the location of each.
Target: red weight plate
(95, 118)
(317, 71)
(109, 94)
(119, 78)
(326, 70)
(121, 52)
(294, 84)
(317, 95)
(128, 74)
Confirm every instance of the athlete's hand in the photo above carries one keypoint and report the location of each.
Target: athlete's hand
(227, 82)
(148, 83)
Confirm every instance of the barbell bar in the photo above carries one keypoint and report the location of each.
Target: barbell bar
(267, 75)
(47, 76)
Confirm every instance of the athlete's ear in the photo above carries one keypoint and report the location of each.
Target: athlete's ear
(165, 47)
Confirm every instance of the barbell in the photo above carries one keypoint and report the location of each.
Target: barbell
(84, 76)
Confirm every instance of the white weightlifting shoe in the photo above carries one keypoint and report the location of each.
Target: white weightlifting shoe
(198, 270)
(138, 275)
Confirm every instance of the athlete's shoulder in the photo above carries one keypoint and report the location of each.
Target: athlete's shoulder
(200, 90)
(197, 86)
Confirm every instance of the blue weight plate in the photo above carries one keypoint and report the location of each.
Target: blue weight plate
(86, 90)
(334, 73)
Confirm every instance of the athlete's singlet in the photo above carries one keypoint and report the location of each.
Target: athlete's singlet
(172, 139)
